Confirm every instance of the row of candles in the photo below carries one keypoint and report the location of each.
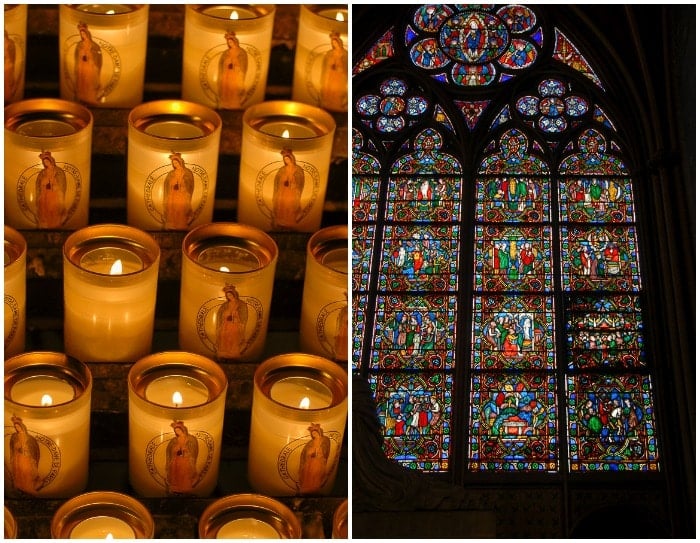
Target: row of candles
(176, 415)
(226, 54)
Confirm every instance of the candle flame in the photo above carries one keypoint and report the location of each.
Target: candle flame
(285, 134)
(234, 15)
(304, 403)
(46, 400)
(109, 536)
(339, 16)
(110, 12)
(116, 268)
(177, 398)
(224, 269)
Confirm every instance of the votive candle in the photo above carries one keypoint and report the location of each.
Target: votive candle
(176, 417)
(297, 425)
(226, 54)
(15, 291)
(110, 279)
(10, 525)
(15, 51)
(47, 425)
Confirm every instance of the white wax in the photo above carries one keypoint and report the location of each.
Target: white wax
(337, 260)
(229, 258)
(293, 129)
(193, 392)
(291, 391)
(31, 390)
(46, 128)
(229, 12)
(335, 14)
(102, 527)
(174, 130)
(103, 259)
(247, 528)
(104, 9)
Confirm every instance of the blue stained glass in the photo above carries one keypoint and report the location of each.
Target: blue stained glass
(575, 106)
(416, 106)
(359, 305)
(528, 106)
(518, 18)
(393, 87)
(552, 125)
(392, 105)
(390, 124)
(426, 54)
(551, 87)
(368, 105)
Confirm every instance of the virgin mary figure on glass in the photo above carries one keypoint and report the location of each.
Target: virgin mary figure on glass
(231, 319)
(286, 199)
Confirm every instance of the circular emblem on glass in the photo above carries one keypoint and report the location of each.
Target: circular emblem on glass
(474, 37)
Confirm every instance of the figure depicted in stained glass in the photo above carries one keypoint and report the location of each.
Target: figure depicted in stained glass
(233, 67)
(597, 200)
(423, 199)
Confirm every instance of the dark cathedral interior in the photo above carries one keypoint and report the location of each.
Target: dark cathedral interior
(645, 56)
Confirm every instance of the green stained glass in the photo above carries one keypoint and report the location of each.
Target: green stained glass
(592, 158)
(415, 412)
(513, 157)
(362, 243)
(365, 194)
(419, 258)
(594, 199)
(359, 318)
(611, 423)
(513, 258)
(424, 198)
(513, 422)
(512, 199)
(513, 332)
(427, 158)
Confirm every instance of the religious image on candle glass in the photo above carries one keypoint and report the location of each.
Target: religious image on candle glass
(25, 455)
(15, 51)
(89, 81)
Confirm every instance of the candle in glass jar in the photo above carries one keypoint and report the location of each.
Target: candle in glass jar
(226, 54)
(176, 415)
(110, 278)
(248, 516)
(323, 328)
(47, 409)
(15, 291)
(285, 159)
(10, 525)
(228, 273)
(172, 162)
(297, 425)
(103, 53)
(15, 51)
(321, 57)
(102, 515)
(47, 167)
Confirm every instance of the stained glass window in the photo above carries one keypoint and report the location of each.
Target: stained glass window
(496, 261)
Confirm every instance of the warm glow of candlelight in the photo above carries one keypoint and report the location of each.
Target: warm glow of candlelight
(224, 269)
(109, 536)
(177, 399)
(110, 12)
(46, 400)
(116, 268)
(234, 15)
(339, 16)
(304, 403)
(285, 134)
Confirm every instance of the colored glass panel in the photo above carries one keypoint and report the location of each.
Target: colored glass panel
(362, 243)
(512, 199)
(429, 18)
(427, 157)
(600, 258)
(426, 54)
(513, 157)
(592, 158)
(611, 423)
(518, 18)
(380, 51)
(362, 163)
(513, 332)
(566, 52)
(520, 54)
(421, 199)
(596, 199)
(359, 319)
(415, 412)
(513, 258)
(419, 258)
(365, 191)
(513, 423)
(414, 332)
(604, 331)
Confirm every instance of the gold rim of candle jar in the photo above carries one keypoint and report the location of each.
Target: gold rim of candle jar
(242, 236)
(15, 246)
(148, 113)
(340, 521)
(91, 237)
(41, 109)
(263, 12)
(182, 363)
(10, 525)
(102, 503)
(320, 240)
(317, 119)
(309, 14)
(250, 505)
(137, 12)
(310, 366)
(50, 364)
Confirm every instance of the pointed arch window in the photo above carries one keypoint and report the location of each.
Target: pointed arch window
(497, 292)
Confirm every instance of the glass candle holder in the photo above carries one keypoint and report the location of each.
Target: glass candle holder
(172, 161)
(10, 525)
(102, 53)
(228, 273)
(102, 515)
(321, 57)
(47, 425)
(298, 418)
(15, 51)
(285, 159)
(340, 521)
(15, 291)
(48, 144)
(176, 417)
(110, 278)
(324, 306)
(226, 54)
(248, 516)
